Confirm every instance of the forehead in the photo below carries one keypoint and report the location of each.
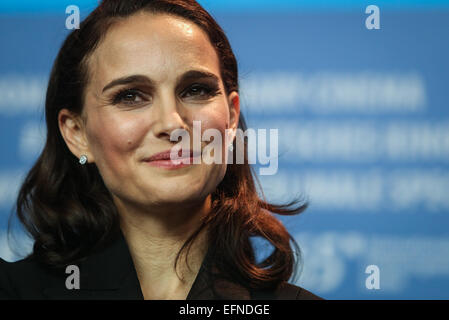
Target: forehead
(158, 45)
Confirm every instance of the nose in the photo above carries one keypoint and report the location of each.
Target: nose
(169, 118)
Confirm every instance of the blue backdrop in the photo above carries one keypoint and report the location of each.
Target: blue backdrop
(363, 128)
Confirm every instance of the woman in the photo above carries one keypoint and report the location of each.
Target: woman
(111, 215)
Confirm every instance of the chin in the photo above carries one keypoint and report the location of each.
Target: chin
(178, 197)
(179, 194)
(183, 189)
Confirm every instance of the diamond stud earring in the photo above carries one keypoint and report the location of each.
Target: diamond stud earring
(83, 159)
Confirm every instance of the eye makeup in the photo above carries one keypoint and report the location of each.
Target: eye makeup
(128, 96)
(196, 85)
(133, 96)
(201, 91)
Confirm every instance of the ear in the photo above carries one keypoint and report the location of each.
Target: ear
(234, 112)
(72, 129)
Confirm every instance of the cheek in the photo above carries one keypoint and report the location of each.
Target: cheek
(214, 118)
(113, 139)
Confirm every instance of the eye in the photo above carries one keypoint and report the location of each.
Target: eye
(201, 91)
(129, 97)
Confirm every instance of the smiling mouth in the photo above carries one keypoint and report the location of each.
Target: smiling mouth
(163, 160)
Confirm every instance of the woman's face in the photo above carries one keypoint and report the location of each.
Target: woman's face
(168, 76)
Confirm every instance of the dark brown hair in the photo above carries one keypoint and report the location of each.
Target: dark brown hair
(67, 209)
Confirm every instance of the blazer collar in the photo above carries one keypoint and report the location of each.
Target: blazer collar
(110, 274)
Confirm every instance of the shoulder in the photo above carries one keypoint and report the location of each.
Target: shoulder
(286, 291)
(22, 279)
(6, 287)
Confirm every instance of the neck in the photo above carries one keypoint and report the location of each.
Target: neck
(154, 239)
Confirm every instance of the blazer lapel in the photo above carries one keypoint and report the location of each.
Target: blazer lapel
(108, 274)
(209, 285)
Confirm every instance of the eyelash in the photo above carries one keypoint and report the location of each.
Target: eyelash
(120, 95)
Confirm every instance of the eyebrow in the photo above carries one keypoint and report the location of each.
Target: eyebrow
(189, 75)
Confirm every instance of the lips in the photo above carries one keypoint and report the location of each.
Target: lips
(165, 155)
(162, 159)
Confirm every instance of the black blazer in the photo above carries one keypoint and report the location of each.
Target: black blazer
(110, 274)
